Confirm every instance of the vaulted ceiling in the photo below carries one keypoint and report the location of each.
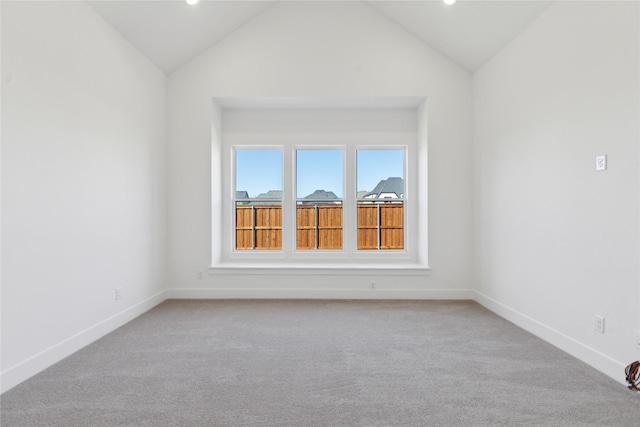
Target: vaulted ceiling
(170, 32)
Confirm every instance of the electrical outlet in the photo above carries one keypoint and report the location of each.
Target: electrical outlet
(599, 324)
(601, 163)
(372, 285)
(118, 294)
(200, 275)
(638, 340)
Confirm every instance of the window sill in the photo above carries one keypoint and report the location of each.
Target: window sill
(394, 269)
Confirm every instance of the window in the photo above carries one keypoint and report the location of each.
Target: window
(381, 209)
(258, 199)
(377, 205)
(319, 183)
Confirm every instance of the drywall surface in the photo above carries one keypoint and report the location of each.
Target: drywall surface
(83, 179)
(316, 50)
(556, 242)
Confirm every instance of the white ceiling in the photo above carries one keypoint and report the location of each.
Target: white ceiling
(468, 32)
(170, 32)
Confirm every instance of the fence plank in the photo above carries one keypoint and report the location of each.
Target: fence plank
(244, 227)
(391, 226)
(330, 227)
(268, 226)
(367, 226)
(306, 227)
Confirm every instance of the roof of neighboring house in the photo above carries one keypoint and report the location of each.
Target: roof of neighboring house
(242, 194)
(390, 185)
(271, 194)
(320, 195)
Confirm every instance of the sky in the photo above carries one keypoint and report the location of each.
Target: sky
(376, 165)
(258, 171)
(318, 170)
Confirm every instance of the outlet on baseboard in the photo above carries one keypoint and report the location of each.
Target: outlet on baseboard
(599, 324)
(118, 294)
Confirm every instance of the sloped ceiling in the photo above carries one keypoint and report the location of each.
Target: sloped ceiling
(170, 32)
(468, 32)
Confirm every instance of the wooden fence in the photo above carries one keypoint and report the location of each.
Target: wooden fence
(380, 226)
(259, 227)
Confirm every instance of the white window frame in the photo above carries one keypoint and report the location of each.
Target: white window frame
(295, 148)
(235, 199)
(349, 252)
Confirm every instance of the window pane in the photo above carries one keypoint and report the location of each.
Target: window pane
(380, 180)
(319, 192)
(259, 173)
(319, 174)
(380, 173)
(258, 193)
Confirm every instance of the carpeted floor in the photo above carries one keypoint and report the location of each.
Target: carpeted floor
(320, 363)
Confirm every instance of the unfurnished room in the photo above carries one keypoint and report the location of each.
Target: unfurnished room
(320, 213)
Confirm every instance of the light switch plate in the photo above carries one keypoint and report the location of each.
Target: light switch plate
(601, 163)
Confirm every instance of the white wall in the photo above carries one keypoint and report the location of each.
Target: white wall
(555, 241)
(319, 49)
(83, 169)
(83, 183)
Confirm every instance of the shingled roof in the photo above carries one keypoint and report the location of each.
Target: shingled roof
(320, 195)
(393, 185)
(271, 194)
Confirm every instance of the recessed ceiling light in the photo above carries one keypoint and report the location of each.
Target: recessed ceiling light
(449, 2)
(194, 2)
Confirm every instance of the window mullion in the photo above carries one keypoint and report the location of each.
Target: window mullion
(288, 201)
(349, 214)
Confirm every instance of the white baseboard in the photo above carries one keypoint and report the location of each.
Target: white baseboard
(28, 368)
(382, 294)
(591, 357)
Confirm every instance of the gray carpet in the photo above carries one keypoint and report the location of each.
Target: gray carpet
(320, 363)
